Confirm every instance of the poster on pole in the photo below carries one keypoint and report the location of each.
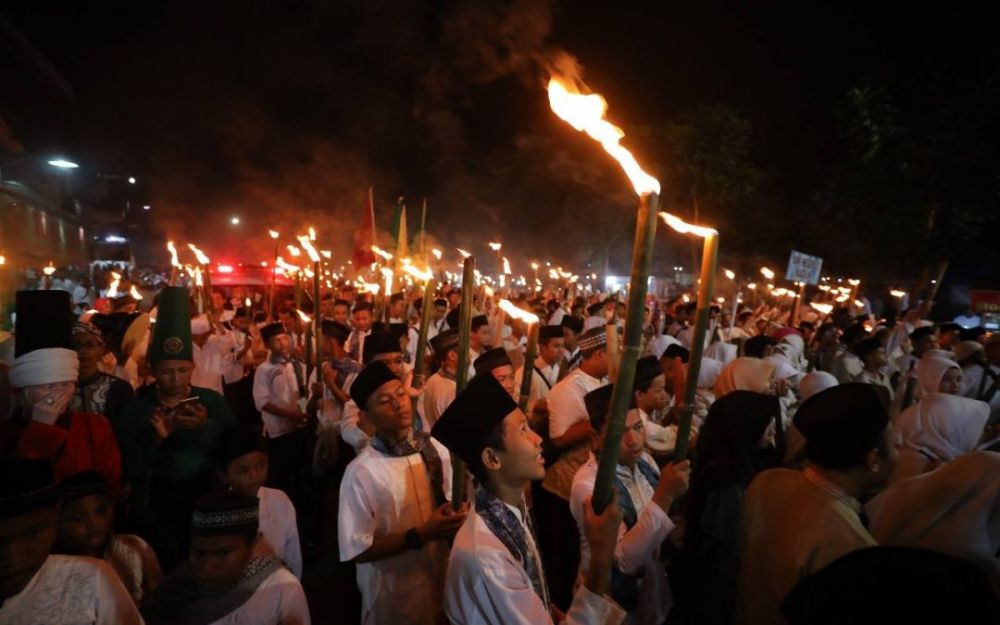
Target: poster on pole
(804, 268)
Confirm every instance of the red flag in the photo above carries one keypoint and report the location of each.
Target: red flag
(364, 237)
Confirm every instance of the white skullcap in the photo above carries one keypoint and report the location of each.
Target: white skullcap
(45, 366)
(814, 382)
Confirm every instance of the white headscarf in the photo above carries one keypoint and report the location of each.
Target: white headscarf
(45, 366)
(794, 347)
(815, 382)
(709, 372)
(943, 426)
(930, 371)
(722, 351)
(783, 368)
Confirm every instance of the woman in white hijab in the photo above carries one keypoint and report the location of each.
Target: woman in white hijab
(936, 430)
(954, 509)
(936, 374)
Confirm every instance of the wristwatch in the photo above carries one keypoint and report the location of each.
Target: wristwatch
(413, 540)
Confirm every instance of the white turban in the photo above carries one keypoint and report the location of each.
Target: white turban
(45, 366)
(816, 382)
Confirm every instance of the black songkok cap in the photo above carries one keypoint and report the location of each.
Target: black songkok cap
(598, 403)
(335, 330)
(841, 424)
(595, 309)
(547, 333)
(479, 321)
(490, 360)
(573, 323)
(272, 330)
(225, 513)
(466, 425)
(370, 380)
(236, 441)
(378, 343)
(444, 341)
(27, 485)
(646, 370)
(82, 484)
(676, 351)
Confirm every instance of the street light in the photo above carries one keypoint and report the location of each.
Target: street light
(131, 179)
(235, 221)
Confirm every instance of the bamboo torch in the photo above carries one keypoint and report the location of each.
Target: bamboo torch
(586, 113)
(528, 372)
(462, 377)
(427, 304)
(307, 245)
(175, 264)
(206, 274)
(709, 256)
(274, 275)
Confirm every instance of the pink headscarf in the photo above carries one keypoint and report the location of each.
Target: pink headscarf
(744, 374)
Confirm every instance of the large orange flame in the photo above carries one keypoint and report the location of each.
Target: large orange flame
(202, 259)
(586, 112)
(684, 227)
(517, 313)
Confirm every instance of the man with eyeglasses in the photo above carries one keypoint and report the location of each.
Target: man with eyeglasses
(395, 520)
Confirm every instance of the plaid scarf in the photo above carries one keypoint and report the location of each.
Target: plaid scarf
(509, 530)
(417, 443)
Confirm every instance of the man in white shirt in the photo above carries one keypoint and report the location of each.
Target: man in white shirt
(209, 351)
(981, 379)
(278, 393)
(569, 434)
(572, 328)
(395, 519)
(225, 581)
(362, 318)
(644, 497)
(41, 589)
(496, 574)
(439, 391)
(379, 347)
(544, 372)
(437, 323)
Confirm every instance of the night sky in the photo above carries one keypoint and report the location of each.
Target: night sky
(287, 110)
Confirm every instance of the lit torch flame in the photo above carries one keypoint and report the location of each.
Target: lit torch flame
(495, 247)
(294, 251)
(274, 234)
(113, 289)
(730, 274)
(825, 309)
(202, 259)
(327, 254)
(173, 255)
(49, 269)
(463, 252)
(767, 273)
(312, 233)
(136, 295)
(516, 313)
(419, 274)
(436, 252)
(384, 254)
(897, 293)
(307, 245)
(506, 266)
(304, 317)
(586, 113)
(683, 227)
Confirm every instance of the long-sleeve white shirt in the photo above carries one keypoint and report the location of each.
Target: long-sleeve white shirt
(541, 383)
(487, 586)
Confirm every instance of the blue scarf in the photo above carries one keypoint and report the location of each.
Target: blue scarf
(509, 530)
(417, 443)
(625, 588)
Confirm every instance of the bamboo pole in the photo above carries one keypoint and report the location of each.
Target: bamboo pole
(709, 256)
(462, 376)
(797, 311)
(317, 323)
(528, 372)
(425, 319)
(642, 258)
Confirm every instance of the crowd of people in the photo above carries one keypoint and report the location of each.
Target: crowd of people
(164, 465)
